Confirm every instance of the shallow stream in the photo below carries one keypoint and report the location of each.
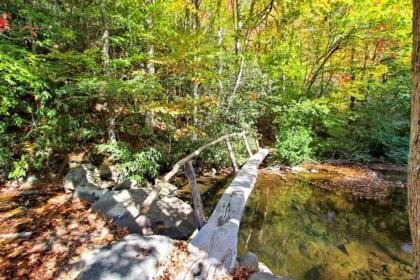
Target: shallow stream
(307, 232)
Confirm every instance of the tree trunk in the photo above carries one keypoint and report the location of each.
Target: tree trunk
(112, 135)
(150, 116)
(195, 193)
(414, 158)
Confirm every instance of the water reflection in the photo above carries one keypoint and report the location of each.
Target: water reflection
(310, 233)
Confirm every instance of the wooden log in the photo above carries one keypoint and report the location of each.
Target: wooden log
(213, 249)
(160, 183)
(257, 144)
(232, 156)
(24, 234)
(248, 148)
(195, 193)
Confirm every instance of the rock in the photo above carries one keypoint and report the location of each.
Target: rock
(30, 182)
(210, 173)
(129, 184)
(314, 170)
(133, 257)
(263, 268)
(168, 190)
(249, 260)
(298, 169)
(81, 175)
(105, 172)
(407, 248)
(107, 185)
(266, 276)
(89, 192)
(168, 216)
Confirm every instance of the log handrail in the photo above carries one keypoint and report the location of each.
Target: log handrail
(160, 183)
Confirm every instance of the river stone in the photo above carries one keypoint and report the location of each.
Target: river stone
(298, 169)
(124, 185)
(168, 189)
(168, 216)
(105, 172)
(133, 257)
(81, 175)
(263, 268)
(249, 260)
(266, 276)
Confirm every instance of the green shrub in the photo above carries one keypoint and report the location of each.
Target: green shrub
(293, 146)
(136, 166)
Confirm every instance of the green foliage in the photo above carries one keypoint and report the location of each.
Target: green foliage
(333, 75)
(293, 146)
(136, 166)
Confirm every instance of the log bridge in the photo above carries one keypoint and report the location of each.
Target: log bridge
(213, 248)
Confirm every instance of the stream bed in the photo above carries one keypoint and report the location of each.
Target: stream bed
(306, 232)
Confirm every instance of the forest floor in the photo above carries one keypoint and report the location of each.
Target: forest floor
(61, 229)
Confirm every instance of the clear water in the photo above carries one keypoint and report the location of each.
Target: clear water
(310, 233)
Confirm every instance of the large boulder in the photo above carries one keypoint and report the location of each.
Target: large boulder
(168, 216)
(133, 257)
(83, 174)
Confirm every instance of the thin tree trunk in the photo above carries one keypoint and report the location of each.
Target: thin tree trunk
(112, 135)
(220, 66)
(196, 82)
(150, 116)
(414, 158)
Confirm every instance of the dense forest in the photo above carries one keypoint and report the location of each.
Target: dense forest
(146, 81)
(103, 103)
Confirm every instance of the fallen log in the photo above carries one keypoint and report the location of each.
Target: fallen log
(16, 235)
(213, 249)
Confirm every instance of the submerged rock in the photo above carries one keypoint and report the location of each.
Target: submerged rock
(168, 216)
(407, 248)
(133, 257)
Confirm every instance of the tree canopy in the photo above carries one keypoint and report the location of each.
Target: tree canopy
(147, 81)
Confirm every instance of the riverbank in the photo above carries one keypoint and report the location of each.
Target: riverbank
(370, 182)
